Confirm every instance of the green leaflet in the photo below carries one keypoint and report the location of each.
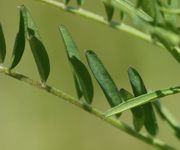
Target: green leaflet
(72, 50)
(28, 22)
(151, 8)
(122, 16)
(84, 78)
(139, 3)
(40, 56)
(80, 2)
(136, 82)
(66, 1)
(166, 116)
(104, 79)
(143, 99)
(71, 47)
(37, 47)
(77, 84)
(125, 95)
(150, 119)
(138, 117)
(2, 45)
(19, 45)
(109, 10)
(139, 89)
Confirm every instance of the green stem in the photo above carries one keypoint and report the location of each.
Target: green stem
(170, 11)
(142, 99)
(130, 9)
(110, 120)
(102, 20)
(143, 22)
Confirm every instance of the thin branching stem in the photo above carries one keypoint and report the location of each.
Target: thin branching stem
(110, 120)
(170, 11)
(113, 24)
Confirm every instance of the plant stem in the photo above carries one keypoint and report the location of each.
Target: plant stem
(110, 120)
(130, 9)
(170, 11)
(142, 99)
(102, 20)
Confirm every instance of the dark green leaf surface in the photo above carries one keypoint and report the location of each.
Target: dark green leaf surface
(125, 95)
(66, 1)
(77, 83)
(104, 79)
(40, 56)
(28, 22)
(150, 119)
(72, 51)
(80, 2)
(2, 45)
(139, 3)
(139, 89)
(71, 47)
(84, 78)
(136, 82)
(19, 45)
(109, 10)
(138, 117)
(122, 16)
(37, 47)
(140, 111)
(151, 7)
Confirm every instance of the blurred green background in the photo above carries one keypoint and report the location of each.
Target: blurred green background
(31, 119)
